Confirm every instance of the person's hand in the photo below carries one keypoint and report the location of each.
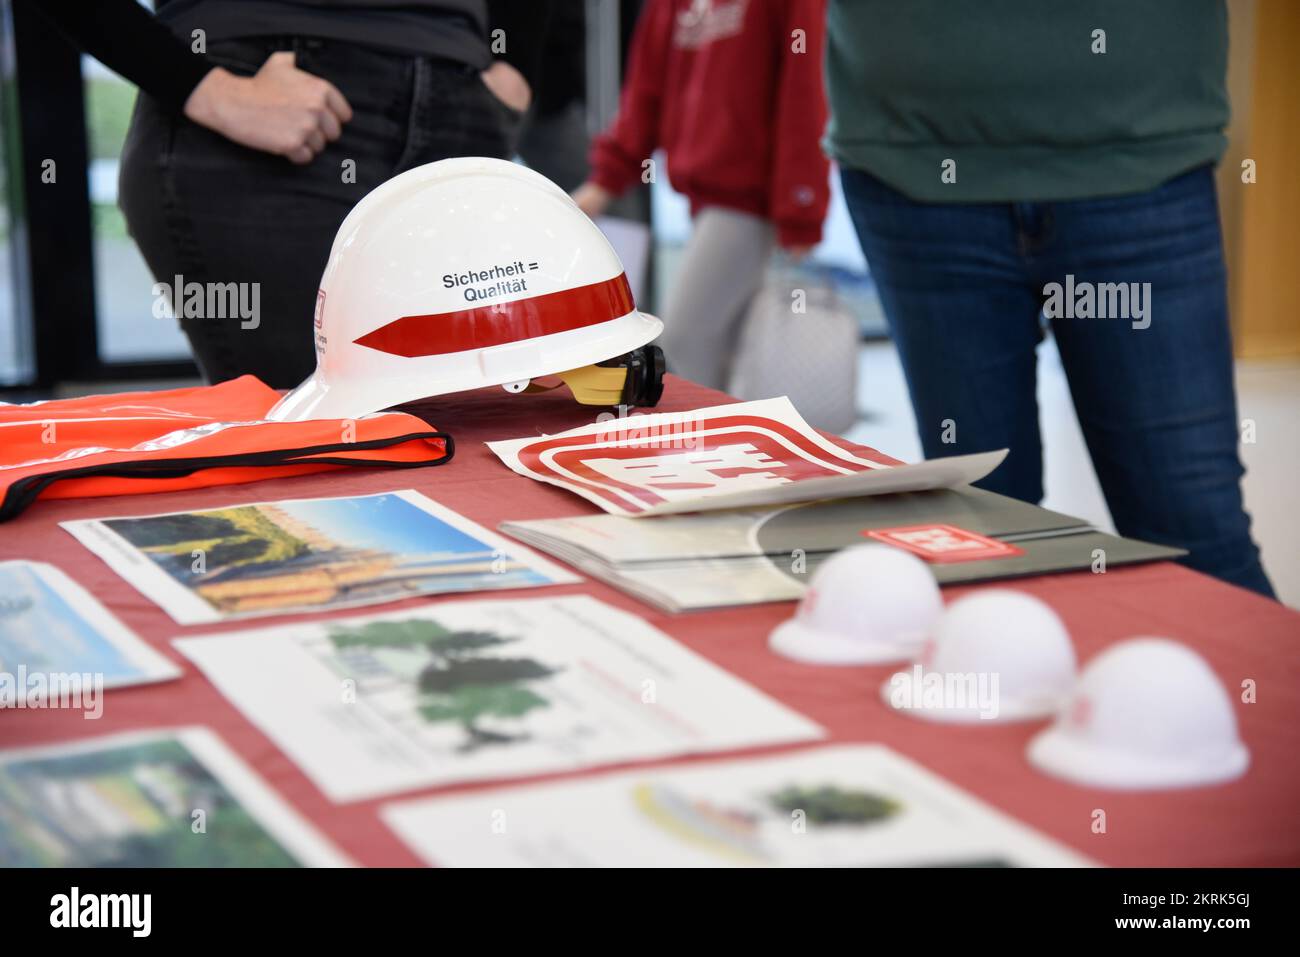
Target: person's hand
(592, 199)
(508, 85)
(281, 109)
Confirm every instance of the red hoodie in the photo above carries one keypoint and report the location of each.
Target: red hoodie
(732, 91)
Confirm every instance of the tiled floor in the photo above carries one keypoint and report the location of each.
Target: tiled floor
(1268, 393)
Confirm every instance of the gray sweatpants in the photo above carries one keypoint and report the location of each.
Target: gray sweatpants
(722, 269)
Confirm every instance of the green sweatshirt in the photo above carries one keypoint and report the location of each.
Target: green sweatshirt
(1013, 93)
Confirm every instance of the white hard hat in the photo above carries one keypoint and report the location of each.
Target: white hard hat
(466, 273)
(1147, 713)
(998, 655)
(868, 604)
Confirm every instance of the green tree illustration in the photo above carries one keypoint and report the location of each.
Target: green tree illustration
(469, 704)
(467, 690)
(462, 672)
(459, 684)
(828, 804)
(454, 644)
(440, 641)
(386, 634)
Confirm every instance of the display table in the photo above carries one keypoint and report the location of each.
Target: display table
(1252, 821)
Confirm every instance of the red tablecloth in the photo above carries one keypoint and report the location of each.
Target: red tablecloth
(1252, 821)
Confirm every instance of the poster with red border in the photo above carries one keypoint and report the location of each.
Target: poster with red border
(729, 456)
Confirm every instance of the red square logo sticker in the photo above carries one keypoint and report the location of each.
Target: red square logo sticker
(944, 543)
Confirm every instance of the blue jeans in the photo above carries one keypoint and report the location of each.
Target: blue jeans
(964, 287)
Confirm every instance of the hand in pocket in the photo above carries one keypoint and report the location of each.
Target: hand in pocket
(508, 85)
(280, 109)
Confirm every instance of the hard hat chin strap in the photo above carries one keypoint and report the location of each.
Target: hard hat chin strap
(632, 379)
(596, 385)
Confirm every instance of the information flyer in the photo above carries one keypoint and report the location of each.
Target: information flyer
(473, 690)
(833, 806)
(173, 798)
(52, 630)
(309, 555)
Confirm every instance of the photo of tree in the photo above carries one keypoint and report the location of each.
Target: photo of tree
(149, 804)
(225, 537)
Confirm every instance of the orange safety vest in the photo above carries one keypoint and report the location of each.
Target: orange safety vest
(164, 441)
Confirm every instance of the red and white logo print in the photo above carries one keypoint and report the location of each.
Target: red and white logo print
(718, 453)
(944, 543)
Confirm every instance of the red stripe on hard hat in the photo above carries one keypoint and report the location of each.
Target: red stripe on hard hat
(481, 327)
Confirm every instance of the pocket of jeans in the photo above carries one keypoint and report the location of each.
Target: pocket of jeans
(509, 122)
(241, 57)
(504, 109)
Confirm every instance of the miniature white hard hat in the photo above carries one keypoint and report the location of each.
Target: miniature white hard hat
(466, 273)
(1147, 713)
(867, 604)
(998, 655)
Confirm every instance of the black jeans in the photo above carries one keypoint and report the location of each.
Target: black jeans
(212, 211)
